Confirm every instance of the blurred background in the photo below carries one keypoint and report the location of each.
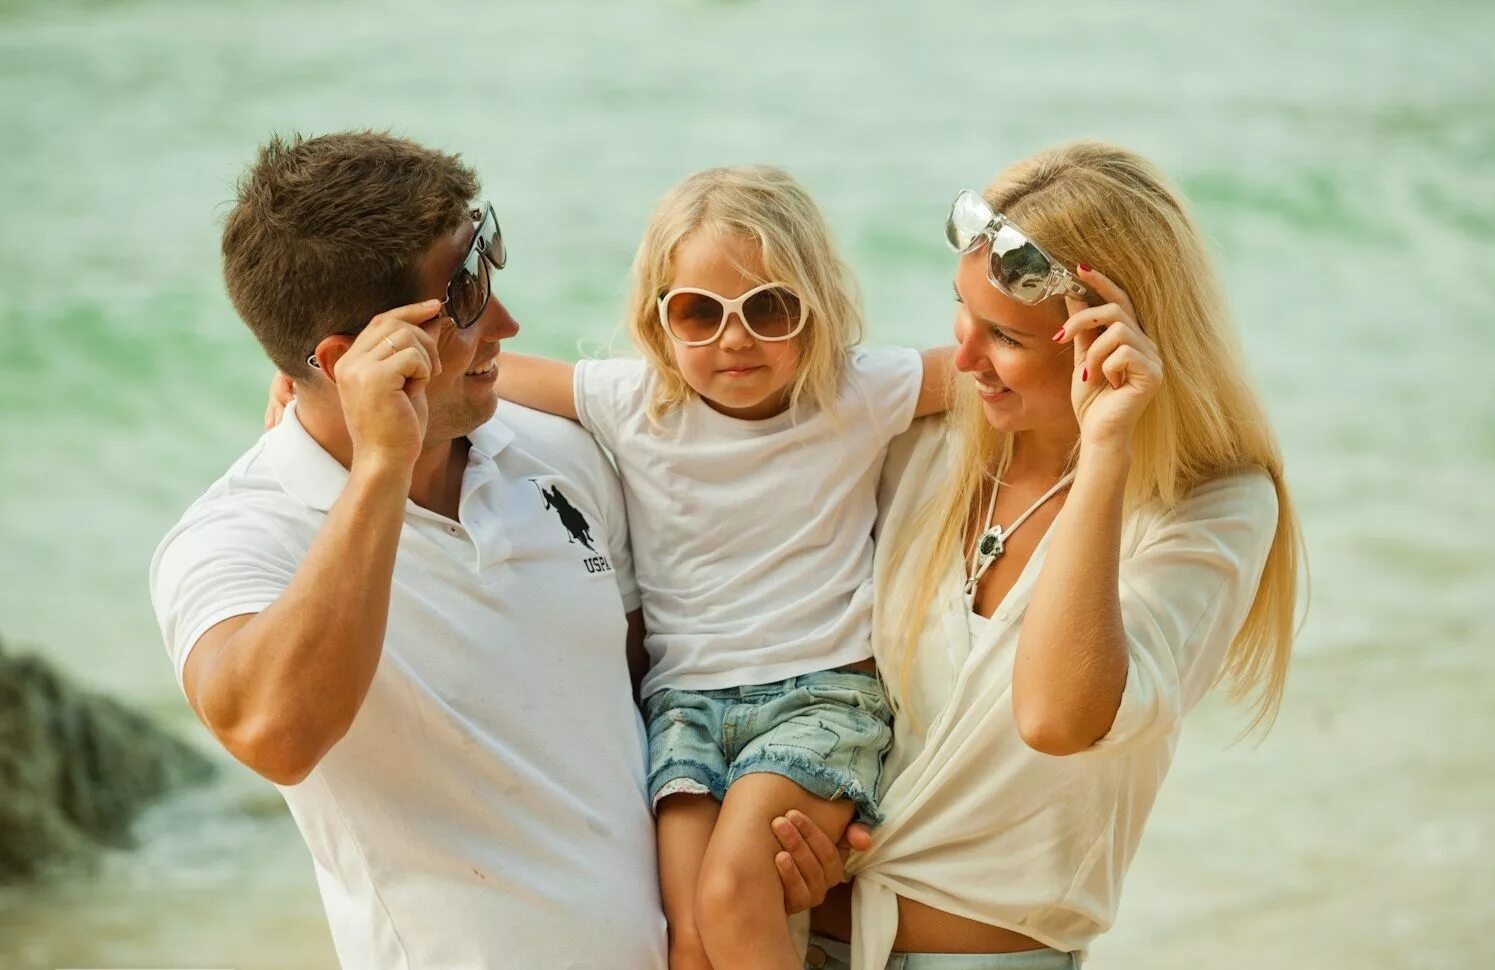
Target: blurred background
(1340, 157)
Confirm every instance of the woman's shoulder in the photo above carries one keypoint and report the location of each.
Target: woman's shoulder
(1248, 492)
(1240, 501)
(917, 449)
(915, 467)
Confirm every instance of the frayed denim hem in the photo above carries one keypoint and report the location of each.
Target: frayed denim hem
(685, 768)
(814, 777)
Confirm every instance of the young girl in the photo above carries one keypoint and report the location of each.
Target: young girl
(749, 440)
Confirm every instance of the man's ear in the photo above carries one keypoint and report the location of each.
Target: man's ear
(329, 352)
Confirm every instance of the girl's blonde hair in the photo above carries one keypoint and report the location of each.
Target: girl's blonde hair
(1109, 207)
(764, 204)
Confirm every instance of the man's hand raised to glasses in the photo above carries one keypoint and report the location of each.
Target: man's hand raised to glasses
(381, 380)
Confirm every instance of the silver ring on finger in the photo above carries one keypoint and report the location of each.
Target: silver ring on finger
(392, 348)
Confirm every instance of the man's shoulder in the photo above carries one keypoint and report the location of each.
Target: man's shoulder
(531, 426)
(247, 498)
(251, 481)
(561, 446)
(554, 440)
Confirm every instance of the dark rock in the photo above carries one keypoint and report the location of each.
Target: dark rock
(76, 768)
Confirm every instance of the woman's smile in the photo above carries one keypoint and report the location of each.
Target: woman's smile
(991, 391)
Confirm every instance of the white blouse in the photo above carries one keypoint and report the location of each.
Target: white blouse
(979, 824)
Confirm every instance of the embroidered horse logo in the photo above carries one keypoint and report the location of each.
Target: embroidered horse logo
(576, 524)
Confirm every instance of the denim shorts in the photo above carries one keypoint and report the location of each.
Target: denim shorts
(827, 954)
(827, 732)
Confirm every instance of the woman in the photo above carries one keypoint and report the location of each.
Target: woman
(1095, 535)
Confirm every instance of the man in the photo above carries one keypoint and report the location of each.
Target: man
(383, 607)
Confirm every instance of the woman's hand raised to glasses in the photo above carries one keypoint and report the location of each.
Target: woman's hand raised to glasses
(1117, 366)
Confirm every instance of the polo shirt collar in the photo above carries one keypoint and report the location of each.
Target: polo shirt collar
(489, 438)
(305, 470)
(313, 477)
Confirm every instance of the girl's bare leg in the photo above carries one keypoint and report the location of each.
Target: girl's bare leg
(740, 900)
(684, 823)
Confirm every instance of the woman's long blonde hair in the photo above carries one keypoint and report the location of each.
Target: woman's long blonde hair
(1108, 207)
(766, 205)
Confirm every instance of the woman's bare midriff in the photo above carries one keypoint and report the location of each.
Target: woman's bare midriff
(922, 929)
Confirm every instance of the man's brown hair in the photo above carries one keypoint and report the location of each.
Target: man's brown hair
(329, 231)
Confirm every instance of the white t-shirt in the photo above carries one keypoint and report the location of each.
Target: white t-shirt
(752, 540)
(979, 824)
(487, 807)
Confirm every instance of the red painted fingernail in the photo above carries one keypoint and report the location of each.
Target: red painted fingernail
(1058, 335)
(1085, 374)
(1084, 268)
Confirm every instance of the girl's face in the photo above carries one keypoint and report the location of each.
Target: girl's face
(738, 375)
(1007, 348)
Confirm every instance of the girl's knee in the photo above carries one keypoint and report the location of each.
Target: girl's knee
(732, 888)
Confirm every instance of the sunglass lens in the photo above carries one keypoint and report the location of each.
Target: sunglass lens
(969, 218)
(498, 254)
(490, 240)
(773, 313)
(693, 317)
(467, 295)
(1018, 266)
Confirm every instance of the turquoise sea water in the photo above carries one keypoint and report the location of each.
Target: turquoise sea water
(1339, 155)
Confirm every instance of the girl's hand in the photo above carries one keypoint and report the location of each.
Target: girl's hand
(281, 393)
(1117, 367)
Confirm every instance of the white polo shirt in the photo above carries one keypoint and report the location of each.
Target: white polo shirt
(487, 807)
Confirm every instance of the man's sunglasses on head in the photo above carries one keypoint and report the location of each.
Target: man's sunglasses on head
(469, 289)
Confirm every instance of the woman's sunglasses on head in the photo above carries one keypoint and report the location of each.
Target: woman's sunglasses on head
(469, 288)
(697, 317)
(1016, 264)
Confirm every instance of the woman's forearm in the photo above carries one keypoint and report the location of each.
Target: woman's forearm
(1071, 663)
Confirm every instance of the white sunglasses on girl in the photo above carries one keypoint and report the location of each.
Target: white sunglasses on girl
(695, 317)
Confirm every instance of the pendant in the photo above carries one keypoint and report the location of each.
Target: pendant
(991, 544)
(989, 549)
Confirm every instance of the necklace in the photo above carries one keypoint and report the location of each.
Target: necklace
(993, 542)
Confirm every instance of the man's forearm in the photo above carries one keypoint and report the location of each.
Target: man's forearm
(285, 688)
